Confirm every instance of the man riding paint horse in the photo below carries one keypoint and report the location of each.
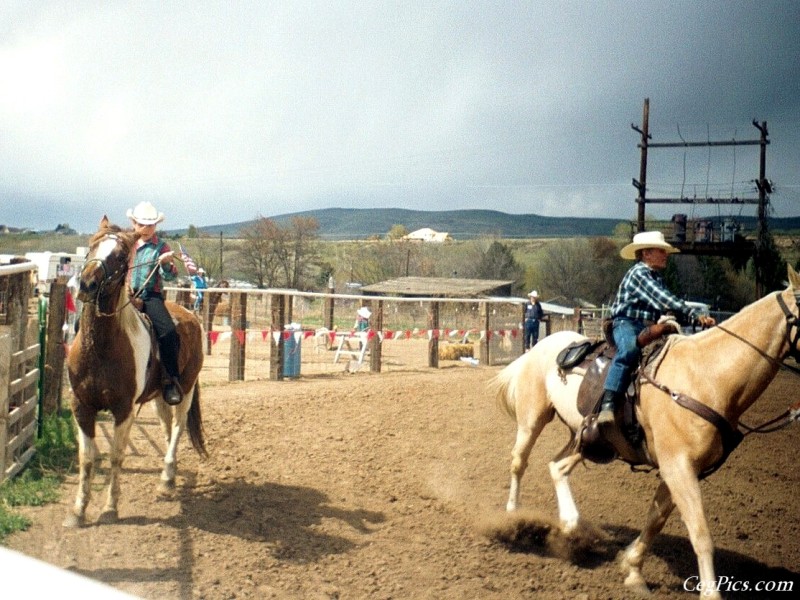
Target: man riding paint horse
(641, 299)
(146, 282)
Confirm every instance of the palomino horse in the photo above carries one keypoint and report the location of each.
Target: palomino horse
(113, 365)
(725, 368)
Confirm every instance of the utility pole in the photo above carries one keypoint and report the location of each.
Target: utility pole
(708, 247)
(641, 184)
(221, 269)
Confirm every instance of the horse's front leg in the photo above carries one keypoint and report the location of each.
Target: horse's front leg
(87, 453)
(119, 444)
(685, 489)
(657, 515)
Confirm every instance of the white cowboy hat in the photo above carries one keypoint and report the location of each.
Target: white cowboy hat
(647, 239)
(534, 293)
(364, 312)
(145, 214)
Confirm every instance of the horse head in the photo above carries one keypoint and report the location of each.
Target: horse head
(103, 275)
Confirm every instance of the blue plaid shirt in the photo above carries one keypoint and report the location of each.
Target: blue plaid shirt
(642, 296)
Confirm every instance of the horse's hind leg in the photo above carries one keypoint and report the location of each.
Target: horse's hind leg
(87, 452)
(173, 425)
(119, 444)
(559, 472)
(527, 434)
(657, 515)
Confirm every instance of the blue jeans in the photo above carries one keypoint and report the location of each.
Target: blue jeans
(627, 357)
(531, 333)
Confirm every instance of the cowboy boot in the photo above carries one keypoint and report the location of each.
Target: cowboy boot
(609, 401)
(168, 345)
(172, 392)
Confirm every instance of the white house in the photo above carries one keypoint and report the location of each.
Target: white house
(426, 234)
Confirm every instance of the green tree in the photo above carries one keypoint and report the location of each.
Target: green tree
(499, 263)
(397, 232)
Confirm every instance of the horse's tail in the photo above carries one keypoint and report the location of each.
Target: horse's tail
(504, 387)
(194, 423)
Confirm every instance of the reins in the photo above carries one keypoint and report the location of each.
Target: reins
(733, 436)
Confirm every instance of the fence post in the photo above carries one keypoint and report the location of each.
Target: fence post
(276, 347)
(208, 324)
(236, 365)
(53, 348)
(577, 322)
(5, 379)
(17, 298)
(376, 343)
(433, 343)
(487, 334)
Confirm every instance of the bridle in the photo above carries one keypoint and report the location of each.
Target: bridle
(112, 278)
(792, 341)
(732, 436)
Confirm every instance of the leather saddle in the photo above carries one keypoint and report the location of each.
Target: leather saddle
(627, 441)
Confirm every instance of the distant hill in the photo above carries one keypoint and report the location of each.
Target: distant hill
(362, 223)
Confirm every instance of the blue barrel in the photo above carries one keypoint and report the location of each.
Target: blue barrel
(291, 354)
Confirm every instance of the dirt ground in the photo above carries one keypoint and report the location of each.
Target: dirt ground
(364, 485)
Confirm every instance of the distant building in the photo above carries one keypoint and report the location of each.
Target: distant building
(426, 234)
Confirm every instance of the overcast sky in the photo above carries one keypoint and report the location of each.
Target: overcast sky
(218, 112)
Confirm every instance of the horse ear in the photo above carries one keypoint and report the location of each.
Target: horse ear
(794, 278)
(104, 222)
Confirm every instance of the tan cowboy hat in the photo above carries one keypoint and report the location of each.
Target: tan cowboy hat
(534, 294)
(145, 214)
(647, 239)
(364, 312)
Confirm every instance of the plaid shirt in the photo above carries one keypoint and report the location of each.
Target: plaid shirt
(642, 296)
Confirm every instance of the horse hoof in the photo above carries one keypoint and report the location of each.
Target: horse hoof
(167, 486)
(73, 521)
(636, 584)
(107, 517)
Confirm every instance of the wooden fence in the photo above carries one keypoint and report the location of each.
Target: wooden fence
(242, 318)
(19, 369)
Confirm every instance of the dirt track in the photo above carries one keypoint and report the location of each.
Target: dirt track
(381, 486)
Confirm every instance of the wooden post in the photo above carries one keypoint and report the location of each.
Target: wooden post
(17, 297)
(6, 341)
(484, 341)
(524, 333)
(376, 343)
(208, 322)
(54, 347)
(277, 321)
(577, 322)
(433, 343)
(238, 336)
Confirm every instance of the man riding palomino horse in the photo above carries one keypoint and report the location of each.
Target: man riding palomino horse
(642, 298)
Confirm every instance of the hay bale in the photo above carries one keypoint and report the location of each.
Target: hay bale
(455, 351)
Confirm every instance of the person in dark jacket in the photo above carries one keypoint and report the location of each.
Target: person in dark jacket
(153, 255)
(533, 315)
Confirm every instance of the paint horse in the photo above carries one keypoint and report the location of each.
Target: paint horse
(113, 365)
(725, 369)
